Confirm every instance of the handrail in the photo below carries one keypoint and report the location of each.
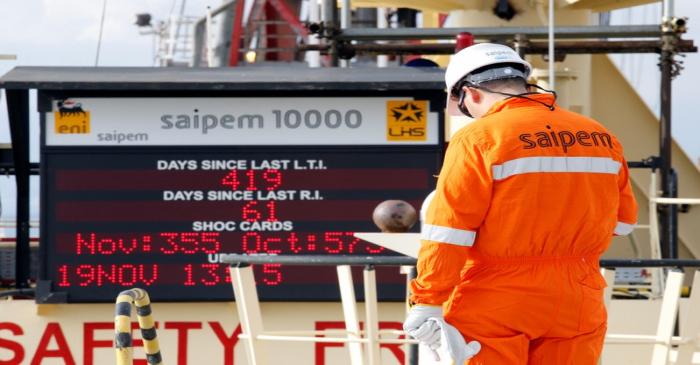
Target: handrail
(364, 345)
(242, 260)
(122, 327)
(570, 32)
(690, 201)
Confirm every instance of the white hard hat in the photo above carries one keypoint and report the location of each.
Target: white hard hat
(477, 56)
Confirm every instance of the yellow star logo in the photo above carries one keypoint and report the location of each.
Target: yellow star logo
(408, 112)
(406, 120)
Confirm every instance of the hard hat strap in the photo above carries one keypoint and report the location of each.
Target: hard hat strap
(523, 95)
(462, 95)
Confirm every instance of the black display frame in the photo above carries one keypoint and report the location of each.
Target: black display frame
(47, 293)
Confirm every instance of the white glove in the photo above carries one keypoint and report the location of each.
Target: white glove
(427, 325)
(427, 332)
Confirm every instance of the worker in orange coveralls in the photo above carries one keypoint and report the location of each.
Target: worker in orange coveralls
(529, 197)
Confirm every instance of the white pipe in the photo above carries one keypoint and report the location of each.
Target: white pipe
(345, 22)
(266, 337)
(349, 304)
(32, 244)
(345, 15)
(13, 224)
(371, 317)
(313, 58)
(551, 45)
(325, 332)
(336, 331)
(382, 60)
(178, 21)
(618, 339)
(668, 9)
(642, 339)
(308, 339)
(172, 26)
(210, 49)
(99, 37)
(677, 201)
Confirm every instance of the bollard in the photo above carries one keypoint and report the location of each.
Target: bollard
(122, 327)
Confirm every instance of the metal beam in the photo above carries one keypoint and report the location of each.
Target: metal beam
(578, 32)
(9, 169)
(18, 112)
(540, 48)
(323, 260)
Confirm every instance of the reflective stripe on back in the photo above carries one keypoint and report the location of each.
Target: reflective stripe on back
(527, 165)
(442, 234)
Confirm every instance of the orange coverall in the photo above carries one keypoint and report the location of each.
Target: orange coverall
(527, 201)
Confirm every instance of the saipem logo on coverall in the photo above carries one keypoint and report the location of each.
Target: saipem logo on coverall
(406, 120)
(70, 118)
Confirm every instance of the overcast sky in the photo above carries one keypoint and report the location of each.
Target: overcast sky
(65, 32)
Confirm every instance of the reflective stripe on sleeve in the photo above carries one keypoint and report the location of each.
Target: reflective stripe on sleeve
(623, 229)
(526, 165)
(448, 235)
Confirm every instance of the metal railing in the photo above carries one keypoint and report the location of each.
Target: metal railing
(364, 345)
(655, 200)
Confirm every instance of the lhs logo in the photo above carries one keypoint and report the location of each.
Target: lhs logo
(71, 118)
(406, 120)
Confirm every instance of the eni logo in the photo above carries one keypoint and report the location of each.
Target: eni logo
(71, 118)
(406, 120)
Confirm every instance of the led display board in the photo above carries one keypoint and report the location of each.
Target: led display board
(148, 192)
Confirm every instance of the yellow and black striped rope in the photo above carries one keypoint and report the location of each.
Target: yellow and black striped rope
(122, 327)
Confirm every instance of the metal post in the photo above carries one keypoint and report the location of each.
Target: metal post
(520, 44)
(673, 214)
(18, 112)
(313, 58)
(412, 358)
(691, 324)
(345, 23)
(382, 23)
(665, 143)
(667, 318)
(668, 9)
(209, 41)
(170, 47)
(668, 216)
(371, 316)
(249, 315)
(330, 21)
(550, 39)
(352, 325)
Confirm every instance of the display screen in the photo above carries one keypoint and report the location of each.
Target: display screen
(158, 218)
